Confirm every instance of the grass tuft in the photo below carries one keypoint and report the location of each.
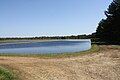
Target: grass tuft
(7, 74)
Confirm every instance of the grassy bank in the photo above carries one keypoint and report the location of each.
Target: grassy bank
(7, 74)
(116, 46)
(55, 55)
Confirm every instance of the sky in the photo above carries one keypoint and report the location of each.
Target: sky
(28, 18)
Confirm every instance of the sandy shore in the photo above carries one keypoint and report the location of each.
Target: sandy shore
(101, 65)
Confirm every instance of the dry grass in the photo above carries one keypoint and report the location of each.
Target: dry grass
(101, 65)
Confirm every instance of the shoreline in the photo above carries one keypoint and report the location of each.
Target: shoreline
(102, 64)
(93, 48)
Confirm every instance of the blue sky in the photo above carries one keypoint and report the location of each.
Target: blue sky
(24, 18)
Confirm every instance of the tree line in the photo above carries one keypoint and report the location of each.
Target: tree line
(84, 36)
(108, 29)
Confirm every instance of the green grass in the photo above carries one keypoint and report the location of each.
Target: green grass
(116, 46)
(7, 74)
(55, 55)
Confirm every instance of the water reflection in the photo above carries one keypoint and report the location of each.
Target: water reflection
(45, 46)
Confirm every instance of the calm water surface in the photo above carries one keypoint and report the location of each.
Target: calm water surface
(44, 46)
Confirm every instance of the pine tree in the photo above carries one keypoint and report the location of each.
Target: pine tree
(109, 28)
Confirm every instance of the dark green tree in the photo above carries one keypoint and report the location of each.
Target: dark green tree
(109, 28)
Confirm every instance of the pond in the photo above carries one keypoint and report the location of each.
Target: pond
(45, 46)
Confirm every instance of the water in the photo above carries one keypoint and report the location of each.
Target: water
(44, 46)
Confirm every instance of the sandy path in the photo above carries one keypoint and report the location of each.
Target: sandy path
(102, 65)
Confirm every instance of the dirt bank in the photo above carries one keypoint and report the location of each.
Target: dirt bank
(101, 65)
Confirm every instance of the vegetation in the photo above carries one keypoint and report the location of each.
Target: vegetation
(116, 46)
(109, 29)
(6, 74)
(54, 37)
